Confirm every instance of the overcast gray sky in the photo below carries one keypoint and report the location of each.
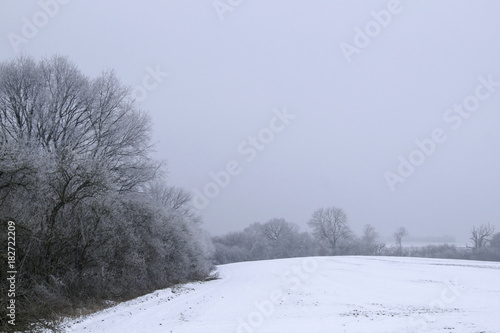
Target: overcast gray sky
(307, 104)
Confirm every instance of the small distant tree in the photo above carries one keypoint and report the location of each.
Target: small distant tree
(481, 236)
(330, 226)
(369, 242)
(276, 229)
(398, 237)
(281, 237)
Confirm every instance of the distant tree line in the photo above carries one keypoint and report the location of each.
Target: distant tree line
(274, 239)
(278, 238)
(484, 245)
(331, 235)
(95, 219)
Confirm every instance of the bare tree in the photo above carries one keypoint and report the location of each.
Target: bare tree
(76, 174)
(277, 228)
(170, 197)
(398, 237)
(370, 235)
(330, 225)
(481, 236)
(369, 240)
(96, 143)
(276, 238)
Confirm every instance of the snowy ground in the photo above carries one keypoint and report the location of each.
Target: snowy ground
(324, 294)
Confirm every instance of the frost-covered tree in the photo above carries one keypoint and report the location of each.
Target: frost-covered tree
(369, 241)
(281, 236)
(399, 234)
(330, 226)
(277, 238)
(93, 215)
(481, 236)
(276, 229)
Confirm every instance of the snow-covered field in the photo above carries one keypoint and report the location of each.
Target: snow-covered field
(324, 294)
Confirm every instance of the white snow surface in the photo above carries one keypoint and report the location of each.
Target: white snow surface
(320, 294)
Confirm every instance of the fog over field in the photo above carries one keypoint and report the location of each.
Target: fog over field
(388, 109)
